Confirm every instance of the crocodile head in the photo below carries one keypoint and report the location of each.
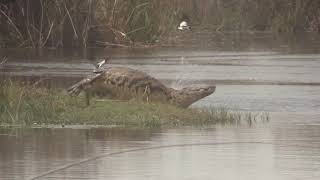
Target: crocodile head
(186, 96)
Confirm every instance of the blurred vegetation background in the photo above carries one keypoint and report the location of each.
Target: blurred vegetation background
(87, 23)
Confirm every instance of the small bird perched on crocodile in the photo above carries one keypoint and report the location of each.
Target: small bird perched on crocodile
(121, 83)
(98, 66)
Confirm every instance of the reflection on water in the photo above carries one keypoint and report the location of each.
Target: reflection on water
(252, 73)
(267, 152)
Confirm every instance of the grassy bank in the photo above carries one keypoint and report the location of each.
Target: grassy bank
(28, 106)
(73, 23)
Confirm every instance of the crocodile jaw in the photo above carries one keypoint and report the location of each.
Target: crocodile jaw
(187, 96)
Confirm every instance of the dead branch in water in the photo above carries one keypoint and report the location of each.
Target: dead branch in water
(120, 34)
(87, 24)
(27, 25)
(113, 13)
(111, 44)
(133, 10)
(12, 24)
(136, 45)
(48, 35)
(71, 21)
(4, 60)
(41, 26)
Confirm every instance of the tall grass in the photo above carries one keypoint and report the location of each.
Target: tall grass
(26, 105)
(39, 23)
(74, 23)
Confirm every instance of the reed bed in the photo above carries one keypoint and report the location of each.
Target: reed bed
(126, 23)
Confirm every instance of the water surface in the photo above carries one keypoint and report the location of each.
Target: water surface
(256, 73)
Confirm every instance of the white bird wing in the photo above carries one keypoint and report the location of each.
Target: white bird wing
(183, 24)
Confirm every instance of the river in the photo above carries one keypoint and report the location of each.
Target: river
(257, 74)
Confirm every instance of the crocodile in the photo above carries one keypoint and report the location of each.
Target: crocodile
(122, 83)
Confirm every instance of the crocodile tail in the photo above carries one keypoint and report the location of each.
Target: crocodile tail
(81, 85)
